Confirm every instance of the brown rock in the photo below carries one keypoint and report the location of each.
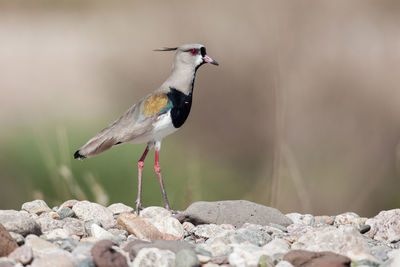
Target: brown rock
(139, 227)
(22, 254)
(68, 204)
(7, 243)
(306, 258)
(105, 256)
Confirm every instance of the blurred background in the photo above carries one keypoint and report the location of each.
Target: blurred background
(303, 112)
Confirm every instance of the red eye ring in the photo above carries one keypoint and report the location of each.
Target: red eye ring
(194, 51)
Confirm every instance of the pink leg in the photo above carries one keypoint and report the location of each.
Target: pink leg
(157, 168)
(140, 170)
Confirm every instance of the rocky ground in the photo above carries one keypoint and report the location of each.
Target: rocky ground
(210, 234)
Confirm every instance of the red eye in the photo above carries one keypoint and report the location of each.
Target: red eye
(194, 52)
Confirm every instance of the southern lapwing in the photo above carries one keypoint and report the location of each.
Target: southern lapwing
(155, 116)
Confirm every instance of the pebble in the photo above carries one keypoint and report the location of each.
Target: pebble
(154, 257)
(7, 243)
(18, 222)
(119, 208)
(74, 226)
(139, 227)
(65, 213)
(36, 207)
(248, 255)
(104, 255)
(385, 226)
(18, 238)
(186, 258)
(23, 254)
(86, 211)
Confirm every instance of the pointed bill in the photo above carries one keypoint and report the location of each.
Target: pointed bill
(210, 60)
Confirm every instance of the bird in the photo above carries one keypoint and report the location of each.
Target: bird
(155, 116)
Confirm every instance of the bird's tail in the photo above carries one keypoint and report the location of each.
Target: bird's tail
(95, 146)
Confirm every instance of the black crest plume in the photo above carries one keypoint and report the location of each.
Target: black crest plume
(166, 49)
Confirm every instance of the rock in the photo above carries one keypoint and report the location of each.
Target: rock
(276, 249)
(385, 226)
(22, 254)
(241, 235)
(248, 255)
(20, 223)
(7, 243)
(217, 248)
(67, 244)
(173, 245)
(349, 218)
(68, 204)
(57, 233)
(82, 251)
(210, 230)
(313, 259)
(297, 218)
(105, 256)
(139, 227)
(53, 260)
(18, 238)
(48, 224)
(186, 258)
(65, 213)
(324, 220)
(101, 234)
(154, 257)
(36, 207)
(37, 244)
(119, 208)
(187, 226)
(6, 262)
(168, 225)
(338, 240)
(88, 262)
(361, 258)
(53, 215)
(74, 226)
(364, 228)
(235, 212)
(86, 211)
(155, 212)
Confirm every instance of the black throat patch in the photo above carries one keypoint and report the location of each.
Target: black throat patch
(181, 105)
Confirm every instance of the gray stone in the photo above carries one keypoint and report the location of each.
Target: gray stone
(88, 262)
(6, 262)
(20, 223)
(67, 244)
(155, 212)
(104, 255)
(364, 228)
(151, 257)
(82, 251)
(235, 212)
(173, 245)
(48, 224)
(209, 230)
(186, 258)
(119, 208)
(74, 226)
(338, 240)
(65, 213)
(242, 235)
(87, 211)
(248, 255)
(276, 249)
(36, 207)
(53, 260)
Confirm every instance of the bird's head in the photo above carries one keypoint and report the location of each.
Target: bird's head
(190, 55)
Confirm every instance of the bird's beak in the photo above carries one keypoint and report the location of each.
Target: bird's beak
(210, 60)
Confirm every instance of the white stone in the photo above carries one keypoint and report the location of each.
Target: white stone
(338, 240)
(284, 264)
(87, 211)
(385, 226)
(154, 257)
(119, 208)
(217, 248)
(246, 255)
(99, 233)
(155, 212)
(277, 248)
(168, 225)
(57, 233)
(36, 207)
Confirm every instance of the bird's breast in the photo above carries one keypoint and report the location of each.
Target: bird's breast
(181, 105)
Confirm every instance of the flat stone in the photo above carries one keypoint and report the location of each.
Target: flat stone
(36, 206)
(105, 256)
(385, 226)
(209, 230)
(37, 244)
(149, 257)
(235, 212)
(74, 226)
(20, 223)
(240, 236)
(7, 243)
(87, 211)
(139, 227)
(314, 259)
(338, 240)
(186, 258)
(22, 254)
(119, 208)
(172, 245)
(168, 225)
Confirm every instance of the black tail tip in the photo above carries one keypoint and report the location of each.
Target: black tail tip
(77, 155)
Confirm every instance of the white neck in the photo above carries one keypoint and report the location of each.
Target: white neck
(181, 78)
